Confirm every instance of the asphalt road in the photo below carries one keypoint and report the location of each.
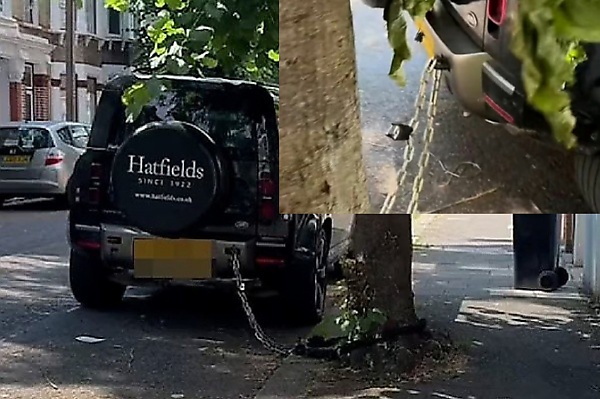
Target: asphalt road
(160, 344)
(496, 172)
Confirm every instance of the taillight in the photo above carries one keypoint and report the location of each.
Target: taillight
(94, 191)
(267, 187)
(96, 171)
(93, 196)
(267, 211)
(267, 190)
(54, 157)
(496, 11)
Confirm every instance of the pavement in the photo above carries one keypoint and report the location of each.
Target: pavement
(497, 172)
(520, 344)
(162, 343)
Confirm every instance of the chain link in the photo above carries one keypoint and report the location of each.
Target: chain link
(409, 150)
(260, 335)
(428, 136)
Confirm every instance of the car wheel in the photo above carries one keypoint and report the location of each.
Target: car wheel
(587, 172)
(90, 283)
(306, 287)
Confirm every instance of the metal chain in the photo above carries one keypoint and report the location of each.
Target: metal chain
(260, 335)
(234, 253)
(409, 150)
(428, 135)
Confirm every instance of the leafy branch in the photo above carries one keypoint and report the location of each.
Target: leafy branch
(225, 38)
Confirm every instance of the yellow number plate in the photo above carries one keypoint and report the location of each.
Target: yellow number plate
(428, 43)
(16, 159)
(174, 259)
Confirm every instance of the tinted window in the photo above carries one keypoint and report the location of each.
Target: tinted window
(25, 137)
(225, 115)
(80, 135)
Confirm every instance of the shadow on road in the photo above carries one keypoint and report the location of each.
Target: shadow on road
(189, 340)
(37, 204)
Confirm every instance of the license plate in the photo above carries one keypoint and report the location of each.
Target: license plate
(174, 259)
(427, 42)
(16, 159)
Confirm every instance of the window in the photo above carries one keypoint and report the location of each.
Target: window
(28, 113)
(227, 118)
(114, 22)
(91, 16)
(92, 98)
(80, 135)
(65, 135)
(29, 10)
(25, 138)
(1, 6)
(62, 5)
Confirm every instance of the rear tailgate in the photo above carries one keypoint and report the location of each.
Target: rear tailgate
(240, 118)
(23, 152)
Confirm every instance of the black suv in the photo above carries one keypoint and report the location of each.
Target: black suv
(163, 197)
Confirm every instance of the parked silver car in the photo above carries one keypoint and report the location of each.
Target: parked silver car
(37, 158)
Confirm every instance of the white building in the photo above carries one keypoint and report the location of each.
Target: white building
(32, 57)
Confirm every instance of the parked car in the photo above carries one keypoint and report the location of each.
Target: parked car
(472, 39)
(160, 199)
(37, 158)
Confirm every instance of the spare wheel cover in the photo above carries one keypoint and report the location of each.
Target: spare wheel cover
(166, 177)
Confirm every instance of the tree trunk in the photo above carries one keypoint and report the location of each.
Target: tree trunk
(320, 159)
(382, 247)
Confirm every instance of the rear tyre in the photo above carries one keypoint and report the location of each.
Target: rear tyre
(306, 286)
(587, 172)
(90, 283)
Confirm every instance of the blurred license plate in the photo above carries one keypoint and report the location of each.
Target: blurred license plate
(174, 259)
(16, 159)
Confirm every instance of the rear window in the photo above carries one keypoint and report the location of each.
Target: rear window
(229, 117)
(29, 138)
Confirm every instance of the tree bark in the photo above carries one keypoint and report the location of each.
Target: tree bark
(382, 247)
(320, 159)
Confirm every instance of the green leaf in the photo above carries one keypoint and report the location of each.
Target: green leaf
(118, 5)
(328, 328)
(209, 62)
(274, 55)
(396, 29)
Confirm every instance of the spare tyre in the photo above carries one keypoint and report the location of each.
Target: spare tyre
(167, 176)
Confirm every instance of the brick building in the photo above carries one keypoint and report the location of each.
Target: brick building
(32, 57)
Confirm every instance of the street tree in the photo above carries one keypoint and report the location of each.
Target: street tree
(381, 266)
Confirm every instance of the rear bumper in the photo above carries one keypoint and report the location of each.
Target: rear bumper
(477, 81)
(464, 58)
(115, 244)
(30, 187)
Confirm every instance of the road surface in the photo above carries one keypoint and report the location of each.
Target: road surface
(499, 172)
(191, 342)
